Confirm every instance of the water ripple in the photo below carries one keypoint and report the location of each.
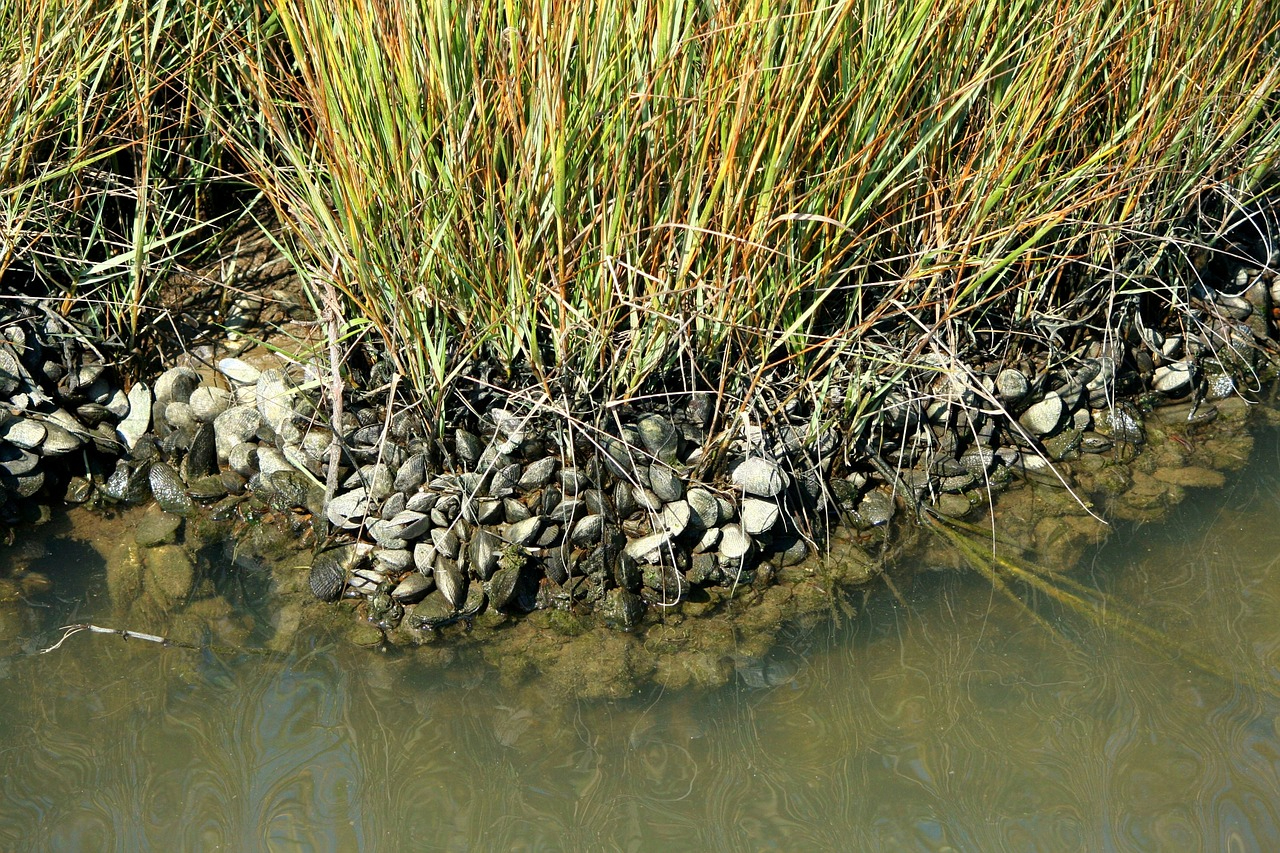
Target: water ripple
(951, 722)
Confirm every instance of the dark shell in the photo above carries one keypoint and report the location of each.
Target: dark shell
(201, 459)
(208, 488)
(556, 565)
(290, 488)
(413, 588)
(626, 572)
(502, 588)
(665, 483)
(91, 414)
(467, 446)
(538, 474)
(659, 436)
(483, 552)
(328, 573)
(127, 484)
(588, 530)
(476, 600)
(17, 461)
(169, 490)
(450, 580)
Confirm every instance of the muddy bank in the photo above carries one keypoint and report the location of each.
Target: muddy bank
(243, 581)
(653, 541)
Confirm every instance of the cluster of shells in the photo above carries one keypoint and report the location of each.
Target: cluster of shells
(507, 522)
(59, 402)
(191, 438)
(69, 430)
(971, 433)
(519, 526)
(617, 523)
(519, 511)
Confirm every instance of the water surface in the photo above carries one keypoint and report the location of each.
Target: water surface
(948, 720)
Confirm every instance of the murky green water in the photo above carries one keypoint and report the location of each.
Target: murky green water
(947, 721)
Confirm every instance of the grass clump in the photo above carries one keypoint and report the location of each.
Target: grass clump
(111, 147)
(622, 197)
(783, 202)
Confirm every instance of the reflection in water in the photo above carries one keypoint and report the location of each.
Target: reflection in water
(949, 721)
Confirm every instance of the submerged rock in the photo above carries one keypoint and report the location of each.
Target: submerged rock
(124, 574)
(1120, 423)
(170, 576)
(157, 527)
(875, 509)
(1191, 476)
(789, 550)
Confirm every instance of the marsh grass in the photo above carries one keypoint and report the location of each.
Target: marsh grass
(837, 208)
(110, 149)
(838, 199)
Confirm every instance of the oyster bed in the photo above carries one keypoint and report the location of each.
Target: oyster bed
(513, 517)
